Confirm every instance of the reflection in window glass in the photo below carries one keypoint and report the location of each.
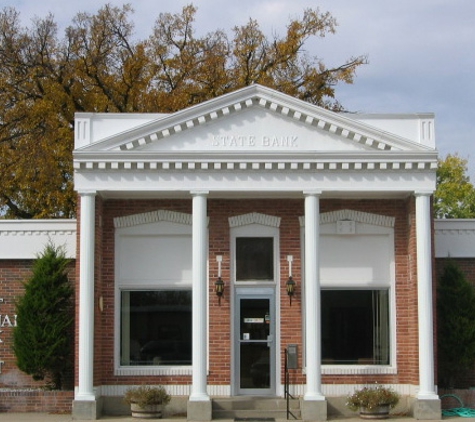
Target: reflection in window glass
(254, 258)
(155, 327)
(355, 327)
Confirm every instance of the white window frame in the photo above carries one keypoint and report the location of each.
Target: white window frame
(157, 223)
(363, 224)
(257, 225)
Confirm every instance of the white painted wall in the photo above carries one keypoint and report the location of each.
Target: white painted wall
(93, 127)
(417, 127)
(25, 239)
(455, 238)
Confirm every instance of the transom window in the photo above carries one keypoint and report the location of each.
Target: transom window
(254, 258)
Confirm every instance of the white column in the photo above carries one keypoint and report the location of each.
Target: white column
(424, 291)
(200, 295)
(313, 332)
(85, 389)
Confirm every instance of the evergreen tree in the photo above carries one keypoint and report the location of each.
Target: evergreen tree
(455, 326)
(42, 340)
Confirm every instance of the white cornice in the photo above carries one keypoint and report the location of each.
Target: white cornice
(257, 96)
(276, 163)
(25, 239)
(454, 238)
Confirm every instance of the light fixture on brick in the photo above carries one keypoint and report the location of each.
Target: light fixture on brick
(290, 282)
(219, 284)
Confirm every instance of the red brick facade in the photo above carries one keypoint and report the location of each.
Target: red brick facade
(14, 272)
(291, 316)
(40, 401)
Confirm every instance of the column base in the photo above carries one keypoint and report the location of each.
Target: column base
(199, 410)
(87, 410)
(427, 409)
(314, 410)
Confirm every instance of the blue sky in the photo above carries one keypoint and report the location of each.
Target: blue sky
(421, 52)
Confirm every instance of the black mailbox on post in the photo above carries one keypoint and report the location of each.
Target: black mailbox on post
(292, 356)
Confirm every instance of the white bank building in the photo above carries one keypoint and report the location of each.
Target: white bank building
(252, 245)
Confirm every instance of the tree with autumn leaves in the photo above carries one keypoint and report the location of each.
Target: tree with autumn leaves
(100, 66)
(455, 194)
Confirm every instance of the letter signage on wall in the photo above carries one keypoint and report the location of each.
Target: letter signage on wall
(5, 322)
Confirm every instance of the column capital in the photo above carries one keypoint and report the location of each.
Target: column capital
(312, 192)
(199, 192)
(424, 192)
(87, 192)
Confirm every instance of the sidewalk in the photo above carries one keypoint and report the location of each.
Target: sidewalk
(46, 417)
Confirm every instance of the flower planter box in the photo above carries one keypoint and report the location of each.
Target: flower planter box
(149, 411)
(379, 412)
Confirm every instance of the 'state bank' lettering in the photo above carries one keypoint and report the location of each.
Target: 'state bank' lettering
(254, 141)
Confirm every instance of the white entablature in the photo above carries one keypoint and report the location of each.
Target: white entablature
(249, 136)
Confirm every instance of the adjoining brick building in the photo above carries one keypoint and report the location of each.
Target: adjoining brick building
(259, 194)
(21, 241)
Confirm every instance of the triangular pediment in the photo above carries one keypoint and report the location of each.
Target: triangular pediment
(254, 119)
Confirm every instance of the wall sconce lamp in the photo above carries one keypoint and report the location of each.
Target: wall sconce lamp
(219, 284)
(290, 282)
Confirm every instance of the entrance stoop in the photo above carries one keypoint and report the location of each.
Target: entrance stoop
(266, 409)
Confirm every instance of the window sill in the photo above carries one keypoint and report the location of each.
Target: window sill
(357, 369)
(153, 370)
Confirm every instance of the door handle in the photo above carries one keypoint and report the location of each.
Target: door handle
(270, 339)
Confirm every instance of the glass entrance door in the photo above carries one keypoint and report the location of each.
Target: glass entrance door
(255, 345)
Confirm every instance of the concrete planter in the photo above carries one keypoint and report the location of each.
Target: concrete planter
(149, 411)
(380, 412)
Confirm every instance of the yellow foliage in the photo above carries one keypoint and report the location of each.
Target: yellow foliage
(98, 66)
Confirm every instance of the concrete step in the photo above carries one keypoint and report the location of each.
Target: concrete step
(255, 408)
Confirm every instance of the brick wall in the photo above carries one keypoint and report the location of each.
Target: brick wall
(12, 275)
(466, 265)
(18, 391)
(291, 316)
(21, 394)
(36, 401)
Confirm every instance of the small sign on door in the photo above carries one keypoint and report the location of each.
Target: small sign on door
(253, 320)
